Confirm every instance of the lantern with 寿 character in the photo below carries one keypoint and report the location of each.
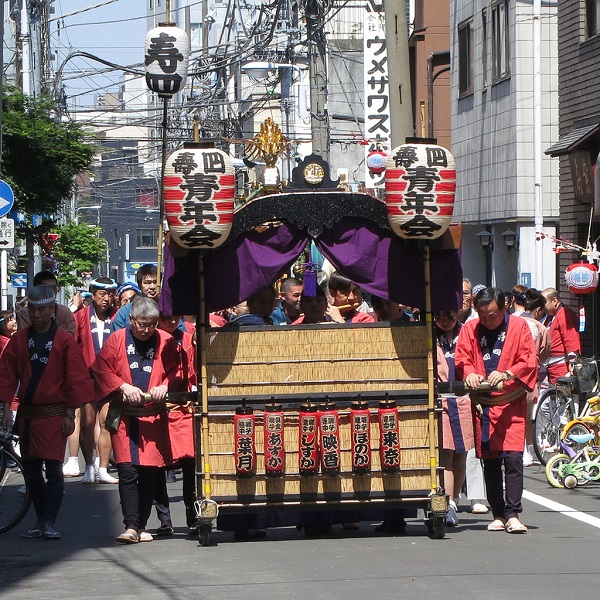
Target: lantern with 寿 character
(166, 57)
(199, 185)
(420, 180)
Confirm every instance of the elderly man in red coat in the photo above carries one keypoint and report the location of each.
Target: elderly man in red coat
(136, 360)
(498, 348)
(44, 362)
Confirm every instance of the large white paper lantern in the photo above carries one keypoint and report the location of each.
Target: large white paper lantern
(199, 191)
(420, 181)
(166, 58)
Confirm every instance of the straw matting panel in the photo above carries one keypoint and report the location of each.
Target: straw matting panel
(414, 474)
(324, 360)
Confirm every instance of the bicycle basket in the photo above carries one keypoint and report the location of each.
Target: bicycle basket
(586, 371)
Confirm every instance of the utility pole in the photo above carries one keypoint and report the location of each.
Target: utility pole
(317, 57)
(396, 33)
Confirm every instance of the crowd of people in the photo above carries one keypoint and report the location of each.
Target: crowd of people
(113, 358)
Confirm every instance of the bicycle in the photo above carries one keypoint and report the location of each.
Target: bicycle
(556, 406)
(15, 498)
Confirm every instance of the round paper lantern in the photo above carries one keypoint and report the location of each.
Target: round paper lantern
(376, 161)
(199, 192)
(582, 278)
(420, 180)
(166, 57)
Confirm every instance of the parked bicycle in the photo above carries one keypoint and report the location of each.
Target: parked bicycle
(579, 462)
(556, 406)
(14, 494)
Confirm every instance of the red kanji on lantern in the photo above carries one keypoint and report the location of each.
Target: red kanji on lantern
(420, 180)
(245, 452)
(199, 193)
(308, 442)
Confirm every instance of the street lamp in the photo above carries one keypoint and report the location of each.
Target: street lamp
(92, 207)
(511, 239)
(486, 239)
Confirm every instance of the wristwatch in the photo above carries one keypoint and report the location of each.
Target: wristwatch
(509, 376)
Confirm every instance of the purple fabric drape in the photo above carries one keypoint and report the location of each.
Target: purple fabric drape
(374, 258)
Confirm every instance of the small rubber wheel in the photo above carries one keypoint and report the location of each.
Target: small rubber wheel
(570, 482)
(204, 533)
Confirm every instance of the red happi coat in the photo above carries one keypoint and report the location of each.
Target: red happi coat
(181, 418)
(83, 333)
(564, 338)
(141, 440)
(507, 421)
(65, 379)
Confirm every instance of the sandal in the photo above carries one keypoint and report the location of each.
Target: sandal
(144, 536)
(497, 525)
(129, 536)
(513, 525)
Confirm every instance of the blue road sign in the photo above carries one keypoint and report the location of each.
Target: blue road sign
(19, 280)
(7, 198)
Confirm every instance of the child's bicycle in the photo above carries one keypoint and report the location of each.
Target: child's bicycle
(14, 495)
(579, 461)
(556, 407)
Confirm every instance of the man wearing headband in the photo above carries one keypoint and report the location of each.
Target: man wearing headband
(47, 400)
(62, 315)
(126, 292)
(93, 328)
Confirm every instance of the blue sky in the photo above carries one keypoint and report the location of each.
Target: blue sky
(114, 31)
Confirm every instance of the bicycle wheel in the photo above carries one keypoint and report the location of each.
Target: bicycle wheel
(14, 494)
(552, 468)
(554, 410)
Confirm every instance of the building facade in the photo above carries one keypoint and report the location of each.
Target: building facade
(493, 132)
(577, 148)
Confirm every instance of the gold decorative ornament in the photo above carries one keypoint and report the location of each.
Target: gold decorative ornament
(313, 173)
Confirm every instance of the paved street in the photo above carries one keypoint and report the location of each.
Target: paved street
(547, 563)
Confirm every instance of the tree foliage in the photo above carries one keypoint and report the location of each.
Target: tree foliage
(79, 250)
(41, 155)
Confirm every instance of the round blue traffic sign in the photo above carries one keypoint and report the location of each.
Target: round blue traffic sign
(7, 198)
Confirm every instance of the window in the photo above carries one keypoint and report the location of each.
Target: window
(484, 47)
(465, 55)
(116, 239)
(500, 41)
(146, 238)
(592, 15)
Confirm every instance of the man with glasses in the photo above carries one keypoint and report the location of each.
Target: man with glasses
(133, 361)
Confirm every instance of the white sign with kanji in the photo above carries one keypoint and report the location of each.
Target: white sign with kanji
(7, 234)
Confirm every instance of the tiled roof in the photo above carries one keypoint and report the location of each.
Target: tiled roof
(573, 140)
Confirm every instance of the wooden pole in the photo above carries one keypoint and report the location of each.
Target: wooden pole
(430, 367)
(161, 211)
(201, 347)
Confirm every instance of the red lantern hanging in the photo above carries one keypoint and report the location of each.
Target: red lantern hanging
(329, 432)
(376, 161)
(360, 426)
(166, 58)
(308, 447)
(582, 278)
(389, 436)
(420, 181)
(274, 444)
(199, 193)
(245, 452)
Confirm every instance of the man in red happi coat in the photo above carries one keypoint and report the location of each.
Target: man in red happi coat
(563, 328)
(93, 328)
(133, 361)
(499, 349)
(44, 362)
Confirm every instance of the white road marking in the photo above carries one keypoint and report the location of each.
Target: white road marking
(563, 509)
